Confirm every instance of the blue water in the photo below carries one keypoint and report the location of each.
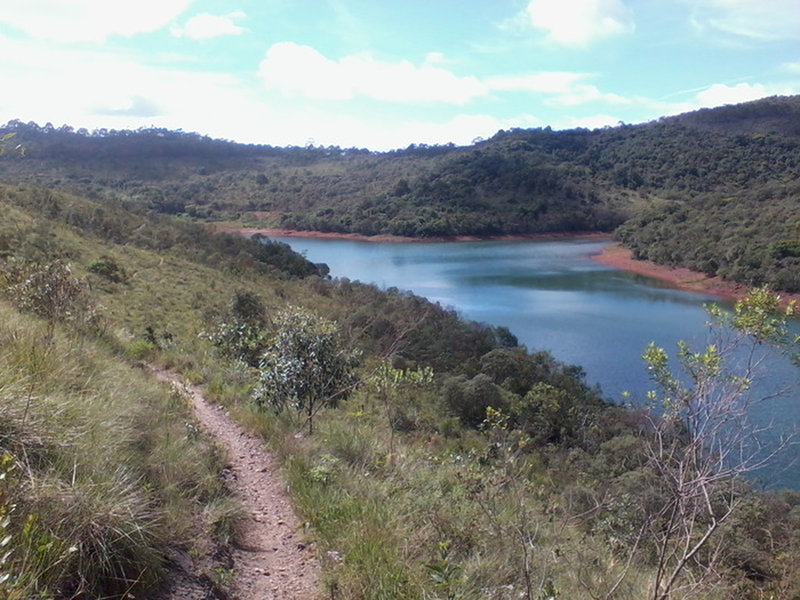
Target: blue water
(553, 296)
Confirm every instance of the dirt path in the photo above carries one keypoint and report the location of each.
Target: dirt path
(270, 560)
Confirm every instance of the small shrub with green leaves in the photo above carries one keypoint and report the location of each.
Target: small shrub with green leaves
(51, 291)
(109, 269)
(241, 334)
(305, 365)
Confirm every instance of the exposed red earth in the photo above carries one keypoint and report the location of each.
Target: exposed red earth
(620, 257)
(613, 255)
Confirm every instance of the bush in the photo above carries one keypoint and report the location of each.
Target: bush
(305, 365)
(50, 291)
(108, 268)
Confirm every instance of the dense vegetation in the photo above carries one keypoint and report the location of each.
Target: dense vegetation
(445, 461)
(702, 176)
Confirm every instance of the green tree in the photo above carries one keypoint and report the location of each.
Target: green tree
(241, 333)
(702, 444)
(305, 365)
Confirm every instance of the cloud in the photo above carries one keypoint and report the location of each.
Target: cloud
(579, 22)
(349, 130)
(302, 71)
(754, 19)
(89, 20)
(719, 94)
(133, 106)
(297, 70)
(566, 88)
(99, 89)
(205, 26)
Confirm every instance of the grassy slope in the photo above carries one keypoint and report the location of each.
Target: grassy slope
(452, 512)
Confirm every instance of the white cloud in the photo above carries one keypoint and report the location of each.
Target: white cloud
(101, 89)
(205, 26)
(567, 88)
(89, 20)
(579, 22)
(389, 134)
(755, 19)
(719, 94)
(298, 70)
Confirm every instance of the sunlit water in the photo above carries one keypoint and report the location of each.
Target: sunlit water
(553, 296)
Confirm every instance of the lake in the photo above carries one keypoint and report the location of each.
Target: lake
(552, 296)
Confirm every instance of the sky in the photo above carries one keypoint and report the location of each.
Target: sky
(382, 74)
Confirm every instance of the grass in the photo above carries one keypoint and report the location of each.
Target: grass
(106, 468)
(439, 521)
(109, 467)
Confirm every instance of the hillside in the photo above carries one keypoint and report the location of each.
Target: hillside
(709, 171)
(428, 456)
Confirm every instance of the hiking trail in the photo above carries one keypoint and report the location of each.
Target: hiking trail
(270, 558)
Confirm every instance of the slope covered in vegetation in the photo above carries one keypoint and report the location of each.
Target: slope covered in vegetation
(445, 461)
(713, 167)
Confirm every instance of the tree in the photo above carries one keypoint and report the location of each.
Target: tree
(241, 333)
(702, 445)
(305, 365)
(388, 383)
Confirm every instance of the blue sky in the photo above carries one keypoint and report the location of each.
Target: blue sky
(383, 74)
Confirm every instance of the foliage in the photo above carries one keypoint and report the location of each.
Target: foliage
(747, 238)
(107, 267)
(89, 523)
(50, 291)
(546, 495)
(241, 333)
(389, 384)
(703, 443)
(720, 178)
(305, 365)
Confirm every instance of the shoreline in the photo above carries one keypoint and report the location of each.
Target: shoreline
(617, 256)
(388, 238)
(614, 255)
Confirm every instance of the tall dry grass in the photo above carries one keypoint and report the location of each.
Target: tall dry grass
(104, 467)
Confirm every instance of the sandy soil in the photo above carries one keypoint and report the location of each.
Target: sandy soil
(270, 558)
(620, 257)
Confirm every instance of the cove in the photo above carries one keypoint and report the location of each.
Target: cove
(554, 297)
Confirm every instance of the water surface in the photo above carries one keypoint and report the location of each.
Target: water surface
(552, 296)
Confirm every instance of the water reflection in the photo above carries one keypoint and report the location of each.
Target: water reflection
(552, 296)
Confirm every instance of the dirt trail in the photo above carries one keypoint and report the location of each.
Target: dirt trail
(270, 560)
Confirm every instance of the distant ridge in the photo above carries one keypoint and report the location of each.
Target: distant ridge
(660, 179)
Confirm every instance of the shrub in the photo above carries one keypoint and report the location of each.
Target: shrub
(108, 268)
(305, 365)
(51, 291)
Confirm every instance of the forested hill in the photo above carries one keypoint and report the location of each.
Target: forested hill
(703, 177)
(426, 455)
